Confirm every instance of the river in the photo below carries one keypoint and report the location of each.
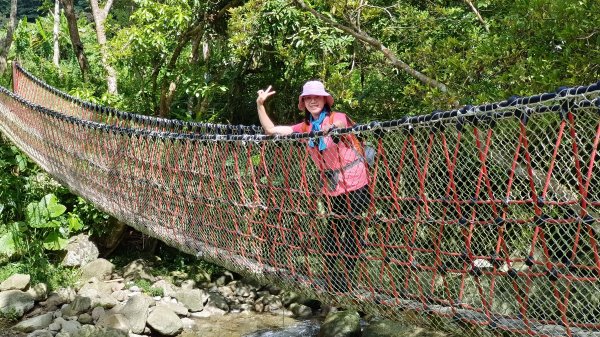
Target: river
(252, 325)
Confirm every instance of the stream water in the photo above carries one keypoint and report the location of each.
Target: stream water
(252, 325)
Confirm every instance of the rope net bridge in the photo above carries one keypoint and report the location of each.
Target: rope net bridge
(482, 219)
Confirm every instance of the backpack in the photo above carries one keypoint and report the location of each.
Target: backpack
(363, 150)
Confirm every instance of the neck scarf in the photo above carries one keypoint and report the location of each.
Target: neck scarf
(316, 126)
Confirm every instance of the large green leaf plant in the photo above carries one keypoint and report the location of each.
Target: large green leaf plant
(47, 224)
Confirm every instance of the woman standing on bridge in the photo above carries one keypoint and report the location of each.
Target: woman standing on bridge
(344, 175)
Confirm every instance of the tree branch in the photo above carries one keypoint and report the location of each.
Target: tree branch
(365, 38)
(479, 17)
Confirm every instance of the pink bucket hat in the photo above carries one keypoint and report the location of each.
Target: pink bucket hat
(314, 88)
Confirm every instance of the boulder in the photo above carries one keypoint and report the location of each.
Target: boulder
(101, 269)
(165, 322)
(300, 310)
(41, 333)
(167, 288)
(39, 292)
(218, 301)
(177, 308)
(35, 323)
(136, 312)
(193, 299)
(70, 327)
(138, 269)
(341, 324)
(113, 321)
(16, 282)
(94, 331)
(15, 302)
(79, 305)
(80, 251)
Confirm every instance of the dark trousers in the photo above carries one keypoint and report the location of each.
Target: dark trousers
(343, 238)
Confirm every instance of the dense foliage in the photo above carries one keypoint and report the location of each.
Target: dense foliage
(212, 57)
(204, 61)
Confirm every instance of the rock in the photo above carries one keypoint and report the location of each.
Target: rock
(15, 282)
(97, 312)
(177, 308)
(15, 302)
(101, 269)
(79, 305)
(136, 312)
(208, 312)
(114, 321)
(273, 289)
(54, 326)
(188, 323)
(282, 312)
(80, 251)
(167, 288)
(41, 333)
(482, 264)
(104, 301)
(85, 318)
(218, 301)
(259, 307)
(188, 285)
(290, 297)
(70, 327)
(138, 269)
(94, 331)
(120, 295)
(165, 322)
(35, 323)
(116, 286)
(60, 297)
(341, 324)
(94, 288)
(300, 310)
(193, 299)
(39, 292)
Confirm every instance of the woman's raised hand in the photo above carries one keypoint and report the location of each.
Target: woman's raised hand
(263, 95)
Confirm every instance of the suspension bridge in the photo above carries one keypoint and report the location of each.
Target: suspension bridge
(483, 218)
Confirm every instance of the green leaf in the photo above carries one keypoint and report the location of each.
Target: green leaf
(21, 162)
(39, 214)
(55, 241)
(74, 222)
(54, 209)
(35, 217)
(7, 244)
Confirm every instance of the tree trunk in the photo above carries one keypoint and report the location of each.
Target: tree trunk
(7, 42)
(55, 31)
(75, 39)
(99, 19)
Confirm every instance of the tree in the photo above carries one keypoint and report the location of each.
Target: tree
(362, 36)
(7, 41)
(153, 46)
(84, 65)
(55, 34)
(99, 19)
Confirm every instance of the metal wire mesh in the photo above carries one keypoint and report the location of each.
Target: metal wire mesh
(36, 91)
(482, 219)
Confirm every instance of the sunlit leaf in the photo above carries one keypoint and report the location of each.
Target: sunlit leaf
(55, 241)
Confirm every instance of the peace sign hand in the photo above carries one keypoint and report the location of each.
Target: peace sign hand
(263, 95)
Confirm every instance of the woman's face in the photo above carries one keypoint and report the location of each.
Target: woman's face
(314, 104)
